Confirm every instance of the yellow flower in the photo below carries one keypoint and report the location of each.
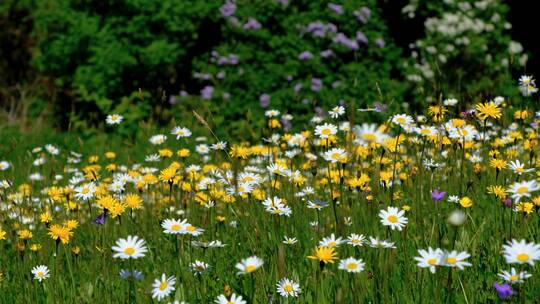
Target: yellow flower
(497, 163)
(71, 224)
(35, 247)
(45, 217)
(498, 191)
(165, 153)
(2, 234)
(488, 110)
(437, 113)
(183, 152)
(324, 255)
(167, 174)
(110, 155)
(25, 234)
(240, 151)
(133, 201)
(60, 233)
(465, 202)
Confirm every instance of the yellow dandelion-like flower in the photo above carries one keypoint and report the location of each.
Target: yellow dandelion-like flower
(60, 233)
(324, 255)
(488, 110)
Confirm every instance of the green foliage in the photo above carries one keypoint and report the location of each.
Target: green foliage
(103, 53)
(269, 60)
(466, 50)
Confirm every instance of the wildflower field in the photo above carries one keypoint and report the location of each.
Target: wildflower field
(434, 208)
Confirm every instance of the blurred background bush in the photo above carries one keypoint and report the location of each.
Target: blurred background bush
(66, 64)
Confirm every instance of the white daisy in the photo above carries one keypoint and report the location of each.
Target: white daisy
(114, 119)
(403, 120)
(181, 132)
(393, 217)
(130, 248)
(337, 111)
(249, 265)
(335, 155)
(521, 252)
(163, 287)
(174, 226)
(455, 259)
(4, 165)
(326, 130)
(356, 240)
(514, 277)
(429, 259)
(331, 241)
(351, 265)
(157, 139)
(234, 299)
(522, 189)
(518, 167)
(85, 192)
(288, 288)
(40, 272)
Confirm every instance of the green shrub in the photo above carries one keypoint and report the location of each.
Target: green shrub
(103, 53)
(466, 52)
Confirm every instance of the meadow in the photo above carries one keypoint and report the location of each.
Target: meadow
(434, 208)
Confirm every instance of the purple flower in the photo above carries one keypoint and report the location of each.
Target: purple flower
(172, 100)
(233, 59)
(100, 219)
(264, 100)
(504, 290)
(362, 14)
(298, 87)
(345, 41)
(252, 24)
(316, 84)
(184, 93)
(327, 54)
(207, 92)
(286, 124)
(380, 42)
(437, 195)
(361, 37)
(508, 202)
(305, 55)
(227, 9)
(336, 8)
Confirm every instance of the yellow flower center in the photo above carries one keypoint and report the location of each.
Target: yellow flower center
(175, 227)
(392, 219)
(326, 131)
(523, 189)
(432, 262)
(513, 278)
(523, 257)
(288, 288)
(369, 137)
(451, 260)
(163, 285)
(352, 266)
(191, 228)
(250, 268)
(401, 120)
(85, 190)
(40, 274)
(336, 155)
(129, 250)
